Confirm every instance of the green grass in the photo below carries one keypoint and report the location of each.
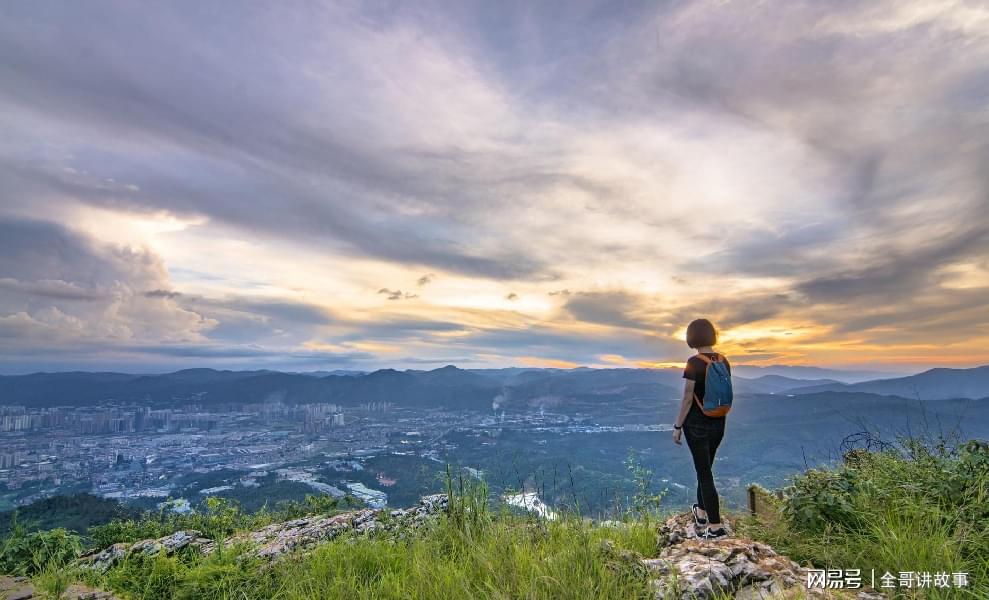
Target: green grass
(917, 507)
(507, 558)
(494, 556)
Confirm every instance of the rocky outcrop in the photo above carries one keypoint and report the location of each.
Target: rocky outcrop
(692, 568)
(170, 544)
(280, 538)
(21, 588)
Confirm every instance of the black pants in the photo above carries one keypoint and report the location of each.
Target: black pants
(703, 441)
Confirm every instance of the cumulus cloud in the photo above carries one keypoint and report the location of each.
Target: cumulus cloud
(60, 287)
(68, 294)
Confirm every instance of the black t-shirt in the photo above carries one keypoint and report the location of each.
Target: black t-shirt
(694, 371)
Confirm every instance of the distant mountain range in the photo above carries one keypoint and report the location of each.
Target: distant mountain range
(935, 384)
(451, 387)
(743, 370)
(775, 384)
(801, 372)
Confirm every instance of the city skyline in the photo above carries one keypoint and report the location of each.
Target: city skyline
(321, 186)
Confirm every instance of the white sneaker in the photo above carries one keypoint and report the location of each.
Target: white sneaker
(714, 534)
(698, 520)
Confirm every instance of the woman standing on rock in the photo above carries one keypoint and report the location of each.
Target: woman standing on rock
(707, 397)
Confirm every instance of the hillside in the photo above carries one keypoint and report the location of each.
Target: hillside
(459, 544)
(78, 512)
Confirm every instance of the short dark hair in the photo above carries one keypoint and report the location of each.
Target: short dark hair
(701, 332)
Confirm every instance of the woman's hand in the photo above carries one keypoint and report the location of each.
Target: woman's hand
(676, 435)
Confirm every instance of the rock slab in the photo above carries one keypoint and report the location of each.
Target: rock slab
(692, 568)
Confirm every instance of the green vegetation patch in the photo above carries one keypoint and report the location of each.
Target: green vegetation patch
(912, 506)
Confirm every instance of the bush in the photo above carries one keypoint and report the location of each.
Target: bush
(915, 505)
(644, 504)
(23, 553)
(817, 497)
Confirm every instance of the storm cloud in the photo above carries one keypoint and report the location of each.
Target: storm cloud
(378, 184)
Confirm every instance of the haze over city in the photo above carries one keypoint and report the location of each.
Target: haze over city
(328, 186)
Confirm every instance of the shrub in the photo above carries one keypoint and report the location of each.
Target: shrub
(644, 503)
(23, 553)
(818, 496)
(915, 505)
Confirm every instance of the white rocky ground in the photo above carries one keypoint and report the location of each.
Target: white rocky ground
(692, 568)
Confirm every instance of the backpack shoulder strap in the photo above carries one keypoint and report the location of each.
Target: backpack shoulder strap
(706, 360)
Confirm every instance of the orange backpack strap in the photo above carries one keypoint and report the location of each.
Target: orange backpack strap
(706, 359)
(698, 402)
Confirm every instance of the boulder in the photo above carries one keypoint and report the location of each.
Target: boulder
(170, 544)
(102, 560)
(692, 568)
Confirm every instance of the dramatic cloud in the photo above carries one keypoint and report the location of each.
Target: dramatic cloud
(540, 183)
(58, 285)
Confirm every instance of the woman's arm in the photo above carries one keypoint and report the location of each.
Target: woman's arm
(688, 396)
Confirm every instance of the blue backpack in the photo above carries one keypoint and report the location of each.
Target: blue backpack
(717, 387)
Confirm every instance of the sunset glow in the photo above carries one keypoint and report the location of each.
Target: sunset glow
(342, 187)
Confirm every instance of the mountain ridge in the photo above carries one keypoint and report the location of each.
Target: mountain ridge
(939, 383)
(448, 386)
